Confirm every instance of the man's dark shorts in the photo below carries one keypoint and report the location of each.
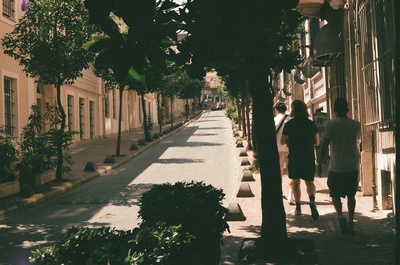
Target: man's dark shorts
(301, 170)
(343, 184)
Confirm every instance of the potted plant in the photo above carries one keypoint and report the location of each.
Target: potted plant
(36, 165)
(9, 184)
(198, 208)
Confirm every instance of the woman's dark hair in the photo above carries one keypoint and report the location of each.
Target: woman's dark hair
(299, 109)
(281, 107)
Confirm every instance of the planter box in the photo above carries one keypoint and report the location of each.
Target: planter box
(43, 180)
(9, 188)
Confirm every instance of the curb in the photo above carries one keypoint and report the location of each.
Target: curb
(57, 189)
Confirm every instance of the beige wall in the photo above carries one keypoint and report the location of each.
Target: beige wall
(83, 101)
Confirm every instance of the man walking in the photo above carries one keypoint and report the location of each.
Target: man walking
(280, 119)
(342, 134)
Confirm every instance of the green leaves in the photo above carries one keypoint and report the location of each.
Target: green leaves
(48, 41)
(138, 77)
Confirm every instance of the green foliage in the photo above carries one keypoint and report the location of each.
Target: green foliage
(149, 123)
(231, 112)
(142, 246)
(148, 32)
(48, 40)
(195, 205)
(36, 149)
(8, 158)
(39, 148)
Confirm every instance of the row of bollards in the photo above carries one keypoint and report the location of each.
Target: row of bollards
(235, 212)
(110, 159)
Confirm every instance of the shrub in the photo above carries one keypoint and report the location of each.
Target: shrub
(231, 112)
(195, 205)
(8, 158)
(141, 246)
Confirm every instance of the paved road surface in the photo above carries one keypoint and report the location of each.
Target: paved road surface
(203, 151)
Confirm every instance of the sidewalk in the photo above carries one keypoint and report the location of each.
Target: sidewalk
(93, 151)
(373, 242)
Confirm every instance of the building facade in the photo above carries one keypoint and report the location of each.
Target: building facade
(91, 110)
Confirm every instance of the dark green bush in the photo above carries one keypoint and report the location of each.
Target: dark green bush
(195, 205)
(231, 112)
(144, 245)
(8, 158)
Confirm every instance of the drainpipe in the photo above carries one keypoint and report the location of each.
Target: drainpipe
(374, 201)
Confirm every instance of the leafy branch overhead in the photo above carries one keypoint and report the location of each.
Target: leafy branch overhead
(139, 34)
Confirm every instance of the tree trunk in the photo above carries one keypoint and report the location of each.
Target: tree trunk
(147, 136)
(159, 118)
(60, 155)
(248, 123)
(239, 114)
(273, 227)
(172, 116)
(243, 111)
(121, 92)
(187, 109)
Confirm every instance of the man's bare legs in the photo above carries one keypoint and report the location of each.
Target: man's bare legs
(351, 206)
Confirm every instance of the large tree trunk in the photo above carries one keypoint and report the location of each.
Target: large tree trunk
(397, 180)
(121, 92)
(60, 155)
(273, 228)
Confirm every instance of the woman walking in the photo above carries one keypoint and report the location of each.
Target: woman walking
(301, 136)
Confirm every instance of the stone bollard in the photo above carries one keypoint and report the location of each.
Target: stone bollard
(109, 160)
(247, 176)
(239, 143)
(235, 213)
(245, 162)
(243, 153)
(134, 147)
(90, 166)
(244, 191)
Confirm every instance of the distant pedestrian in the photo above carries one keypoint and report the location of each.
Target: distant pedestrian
(280, 119)
(301, 136)
(342, 134)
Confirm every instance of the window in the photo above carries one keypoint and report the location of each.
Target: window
(70, 112)
(376, 29)
(114, 106)
(107, 107)
(91, 118)
(81, 118)
(9, 8)
(9, 105)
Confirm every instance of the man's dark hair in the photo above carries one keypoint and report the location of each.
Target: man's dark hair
(341, 106)
(281, 107)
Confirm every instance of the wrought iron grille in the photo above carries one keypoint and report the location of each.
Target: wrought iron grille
(9, 8)
(9, 106)
(376, 28)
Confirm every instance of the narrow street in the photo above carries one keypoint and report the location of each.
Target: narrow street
(202, 151)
